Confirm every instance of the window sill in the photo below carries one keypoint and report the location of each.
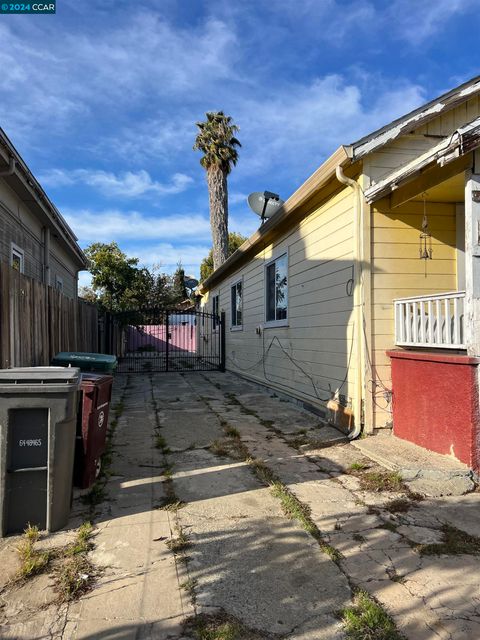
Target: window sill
(271, 324)
(238, 328)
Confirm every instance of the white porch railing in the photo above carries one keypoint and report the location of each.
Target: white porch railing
(431, 321)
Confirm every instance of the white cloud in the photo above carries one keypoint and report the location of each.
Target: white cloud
(126, 184)
(167, 256)
(113, 224)
(57, 73)
(236, 197)
(416, 21)
(294, 131)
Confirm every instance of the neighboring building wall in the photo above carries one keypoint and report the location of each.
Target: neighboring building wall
(398, 272)
(63, 267)
(20, 226)
(309, 358)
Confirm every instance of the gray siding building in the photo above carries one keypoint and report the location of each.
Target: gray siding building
(34, 237)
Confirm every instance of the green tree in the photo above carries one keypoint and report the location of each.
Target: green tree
(235, 240)
(119, 284)
(179, 290)
(216, 140)
(114, 275)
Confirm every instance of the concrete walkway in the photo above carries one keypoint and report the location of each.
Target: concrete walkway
(187, 527)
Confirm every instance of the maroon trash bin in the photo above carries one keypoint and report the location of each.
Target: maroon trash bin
(96, 393)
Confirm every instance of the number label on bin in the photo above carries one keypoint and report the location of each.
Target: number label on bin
(30, 443)
(101, 419)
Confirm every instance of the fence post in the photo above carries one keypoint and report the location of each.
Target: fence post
(222, 341)
(167, 329)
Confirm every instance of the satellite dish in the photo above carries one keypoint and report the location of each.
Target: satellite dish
(190, 282)
(265, 203)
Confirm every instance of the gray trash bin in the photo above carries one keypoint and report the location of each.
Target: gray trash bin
(38, 409)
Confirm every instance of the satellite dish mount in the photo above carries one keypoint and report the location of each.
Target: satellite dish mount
(264, 204)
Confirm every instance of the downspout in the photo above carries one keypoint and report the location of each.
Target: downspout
(357, 296)
(11, 168)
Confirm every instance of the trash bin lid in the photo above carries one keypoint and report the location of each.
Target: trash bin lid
(83, 359)
(94, 379)
(35, 379)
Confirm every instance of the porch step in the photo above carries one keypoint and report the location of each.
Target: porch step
(425, 472)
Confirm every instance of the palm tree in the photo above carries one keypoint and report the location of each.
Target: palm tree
(217, 141)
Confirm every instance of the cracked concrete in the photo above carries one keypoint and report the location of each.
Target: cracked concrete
(246, 558)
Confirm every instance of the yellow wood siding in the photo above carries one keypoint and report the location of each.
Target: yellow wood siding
(397, 272)
(307, 359)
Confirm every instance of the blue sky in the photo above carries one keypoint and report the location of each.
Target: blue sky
(101, 100)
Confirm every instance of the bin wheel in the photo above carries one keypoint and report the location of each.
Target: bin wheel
(98, 467)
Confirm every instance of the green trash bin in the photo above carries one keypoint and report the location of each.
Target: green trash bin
(38, 417)
(86, 362)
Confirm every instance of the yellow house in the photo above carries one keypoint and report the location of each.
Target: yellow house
(378, 250)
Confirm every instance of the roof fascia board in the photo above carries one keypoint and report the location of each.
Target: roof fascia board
(416, 118)
(269, 229)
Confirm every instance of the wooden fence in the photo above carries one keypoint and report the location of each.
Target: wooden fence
(36, 322)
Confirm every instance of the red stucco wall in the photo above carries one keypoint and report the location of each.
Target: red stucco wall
(435, 402)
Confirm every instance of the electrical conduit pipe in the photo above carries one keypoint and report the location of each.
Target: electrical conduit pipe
(357, 298)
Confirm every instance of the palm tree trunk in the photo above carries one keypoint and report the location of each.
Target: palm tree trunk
(218, 196)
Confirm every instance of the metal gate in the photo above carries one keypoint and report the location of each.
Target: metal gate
(155, 340)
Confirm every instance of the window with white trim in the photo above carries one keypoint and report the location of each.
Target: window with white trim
(17, 259)
(215, 311)
(236, 305)
(276, 294)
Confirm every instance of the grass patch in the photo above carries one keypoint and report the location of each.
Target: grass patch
(161, 443)
(381, 481)
(232, 432)
(366, 620)
(170, 503)
(180, 542)
(189, 586)
(32, 561)
(31, 533)
(358, 466)
(96, 495)
(73, 577)
(219, 448)
(72, 572)
(268, 424)
(455, 542)
(168, 472)
(358, 537)
(217, 627)
(390, 526)
(399, 505)
(298, 441)
(83, 542)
